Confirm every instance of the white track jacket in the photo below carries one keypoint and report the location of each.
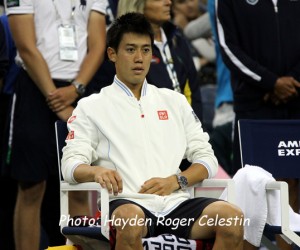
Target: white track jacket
(140, 139)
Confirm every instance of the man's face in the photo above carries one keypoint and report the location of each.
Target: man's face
(132, 61)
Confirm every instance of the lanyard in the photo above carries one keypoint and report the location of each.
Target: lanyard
(71, 18)
(170, 67)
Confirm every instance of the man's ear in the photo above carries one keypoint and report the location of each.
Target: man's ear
(111, 53)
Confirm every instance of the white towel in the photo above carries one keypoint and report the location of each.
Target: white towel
(251, 197)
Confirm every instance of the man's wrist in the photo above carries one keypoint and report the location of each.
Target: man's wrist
(175, 181)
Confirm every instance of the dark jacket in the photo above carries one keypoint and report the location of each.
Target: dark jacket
(260, 43)
(184, 67)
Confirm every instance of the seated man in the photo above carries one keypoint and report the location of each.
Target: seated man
(135, 136)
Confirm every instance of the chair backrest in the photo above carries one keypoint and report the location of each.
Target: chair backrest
(61, 132)
(271, 144)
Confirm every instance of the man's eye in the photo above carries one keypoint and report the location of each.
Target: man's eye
(130, 50)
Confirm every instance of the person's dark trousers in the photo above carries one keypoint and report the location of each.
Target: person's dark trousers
(50, 232)
(8, 186)
(221, 142)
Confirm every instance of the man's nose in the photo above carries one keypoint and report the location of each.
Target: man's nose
(138, 56)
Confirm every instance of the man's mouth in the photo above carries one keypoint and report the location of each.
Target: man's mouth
(138, 70)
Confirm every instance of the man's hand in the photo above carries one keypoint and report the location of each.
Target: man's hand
(160, 186)
(65, 113)
(179, 19)
(285, 88)
(270, 96)
(60, 98)
(109, 179)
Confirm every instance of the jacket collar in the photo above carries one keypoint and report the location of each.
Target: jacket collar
(170, 30)
(117, 82)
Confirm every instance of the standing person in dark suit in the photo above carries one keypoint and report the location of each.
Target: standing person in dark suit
(260, 45)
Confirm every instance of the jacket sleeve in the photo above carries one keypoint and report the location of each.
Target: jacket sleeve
(3, 52)
(198, 150)
(81, 143)
(198, 28)
(235, 58)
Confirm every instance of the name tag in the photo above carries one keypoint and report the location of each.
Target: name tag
(68, 43)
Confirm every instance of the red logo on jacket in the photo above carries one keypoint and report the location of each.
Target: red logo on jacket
(70, 135)
(72, 118)
(155, 60)
(163, 115)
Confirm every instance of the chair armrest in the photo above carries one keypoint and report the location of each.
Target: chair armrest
(284, 201)
(220, 183)
(284, 206)
(87, 186)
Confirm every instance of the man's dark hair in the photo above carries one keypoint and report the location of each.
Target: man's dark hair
(128, 23)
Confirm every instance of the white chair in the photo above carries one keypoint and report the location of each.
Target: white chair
(272, 145)
(90, 238)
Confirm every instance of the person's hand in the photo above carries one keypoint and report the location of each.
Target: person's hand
(285, 88)
(179, 19)
(160, 186)
(62, 97)
(109, 179)
(270, 96)
(65, 113)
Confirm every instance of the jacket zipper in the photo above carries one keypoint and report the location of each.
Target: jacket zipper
(141, 110)
(275, 4)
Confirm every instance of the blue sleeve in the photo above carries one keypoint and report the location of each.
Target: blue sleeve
(3, 52)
